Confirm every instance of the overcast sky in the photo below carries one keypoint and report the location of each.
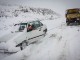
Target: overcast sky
(56, 5)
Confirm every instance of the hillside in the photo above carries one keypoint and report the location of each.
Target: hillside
(10, 15)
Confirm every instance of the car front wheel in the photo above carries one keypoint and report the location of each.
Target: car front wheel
(45, 31)
(23, 44)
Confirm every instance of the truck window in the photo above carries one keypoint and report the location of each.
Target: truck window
(71, 11)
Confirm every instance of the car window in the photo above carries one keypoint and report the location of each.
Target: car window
(30, 26)
(22, 26)
(40, 23)
(33, 25)
(37, 24)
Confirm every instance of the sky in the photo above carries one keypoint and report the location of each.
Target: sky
(56, 5)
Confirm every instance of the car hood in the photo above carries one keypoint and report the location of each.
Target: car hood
(8, 36)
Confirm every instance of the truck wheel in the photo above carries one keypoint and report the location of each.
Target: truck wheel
(67, 21)
(23, 45)
(79, 22)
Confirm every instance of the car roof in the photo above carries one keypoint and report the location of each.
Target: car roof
(29, 21)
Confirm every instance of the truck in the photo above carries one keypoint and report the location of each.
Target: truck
(72, 16)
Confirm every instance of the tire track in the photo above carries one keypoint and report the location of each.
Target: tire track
(64, 52)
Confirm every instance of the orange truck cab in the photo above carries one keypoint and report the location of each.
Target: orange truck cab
(72, 15)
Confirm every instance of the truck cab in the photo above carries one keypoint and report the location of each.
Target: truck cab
(72, 15)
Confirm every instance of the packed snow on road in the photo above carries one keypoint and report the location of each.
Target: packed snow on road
(60, 43)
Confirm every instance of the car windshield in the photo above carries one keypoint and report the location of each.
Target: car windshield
(22, 26)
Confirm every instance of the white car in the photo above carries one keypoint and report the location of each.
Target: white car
(26, 34)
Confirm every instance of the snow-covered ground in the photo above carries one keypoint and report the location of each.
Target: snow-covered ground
(60, 43)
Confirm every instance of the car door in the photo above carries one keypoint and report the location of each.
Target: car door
(31, 33)
(39, 28)
(36, 31)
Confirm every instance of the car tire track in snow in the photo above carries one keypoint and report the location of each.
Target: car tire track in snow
(63, 53)
(2, 55)
(65, 49)
(66, 53)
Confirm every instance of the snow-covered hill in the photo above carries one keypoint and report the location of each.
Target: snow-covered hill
(10, 15)
(14, 11)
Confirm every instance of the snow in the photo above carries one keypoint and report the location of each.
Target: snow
(60, 43)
